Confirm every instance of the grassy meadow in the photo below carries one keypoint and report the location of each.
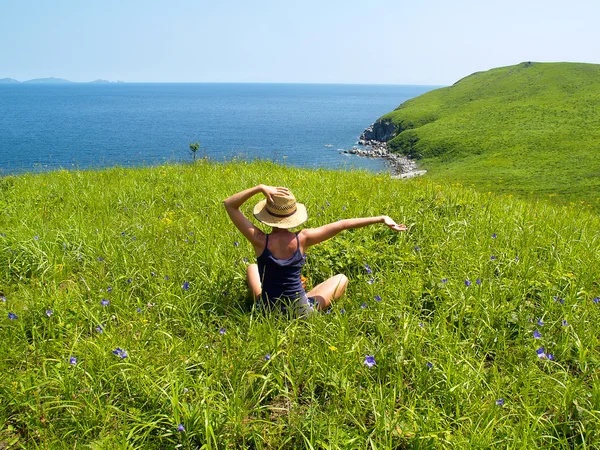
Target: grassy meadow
(532, 130)
(125, 321)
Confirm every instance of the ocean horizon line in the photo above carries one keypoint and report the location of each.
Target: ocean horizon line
(34, 82)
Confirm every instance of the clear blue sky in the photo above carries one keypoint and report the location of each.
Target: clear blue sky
(314, 41)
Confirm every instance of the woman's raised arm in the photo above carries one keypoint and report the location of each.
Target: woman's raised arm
(312, 236)
(233, 204)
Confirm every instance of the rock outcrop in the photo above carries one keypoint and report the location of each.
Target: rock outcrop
(381, 131)
(401, 166)
(374, 139)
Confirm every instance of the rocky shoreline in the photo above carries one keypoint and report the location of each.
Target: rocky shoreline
(401, 166)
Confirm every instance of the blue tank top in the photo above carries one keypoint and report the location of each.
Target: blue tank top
(280, 278)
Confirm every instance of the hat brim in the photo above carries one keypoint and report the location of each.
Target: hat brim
(298, 218)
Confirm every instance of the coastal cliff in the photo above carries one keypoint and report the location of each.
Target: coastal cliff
(381, 131)
(531, 129)
(374, 139)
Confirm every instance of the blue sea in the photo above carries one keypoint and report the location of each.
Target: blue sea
(79, 126)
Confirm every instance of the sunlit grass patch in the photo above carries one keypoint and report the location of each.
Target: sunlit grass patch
(133, 328)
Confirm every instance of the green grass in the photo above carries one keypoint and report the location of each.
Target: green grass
(68, 236)
(532, 130)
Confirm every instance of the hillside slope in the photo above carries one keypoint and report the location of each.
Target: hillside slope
(529, 129)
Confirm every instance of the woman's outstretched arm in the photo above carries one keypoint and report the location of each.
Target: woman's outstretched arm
(313, 236)
(233, 204)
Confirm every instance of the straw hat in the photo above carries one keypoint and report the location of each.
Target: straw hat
(283, 212)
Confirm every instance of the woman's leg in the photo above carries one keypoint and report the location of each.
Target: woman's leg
(254, 280)
(329, 290)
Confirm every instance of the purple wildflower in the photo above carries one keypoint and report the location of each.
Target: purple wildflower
(596, 299)
(370, 361)
(417, 248)
(108, 289)
(565, 323)
(36, 238)
(540, 322)
(12, 316)
(478, 281)
(540, 353)
(377, 298)
(371, 281)
(185, 286)
(559, 300)
(139, 310)
(49, 312)
(444, 280)
(537, 334)
(104, 302)
(342, 311)
(550, 356)
(467, 283)
(494, 236)
(152, 274)
(100, 329)
(2, 298)
(268, 357)
(167, 277)
(245, 259)
(236, 244)
(120, 353)
(516, 259)
(100, 258)
(421, 324)
(492, 257)
(180, 428)
(429, 365)
(500, 402)
(122, 233)
(364, 305)
(225, 293)
(222, 331)
(129, 280)
(368, 269)
(72, 360)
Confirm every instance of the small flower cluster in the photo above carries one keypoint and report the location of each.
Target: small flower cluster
(543, 355)
(120, 353)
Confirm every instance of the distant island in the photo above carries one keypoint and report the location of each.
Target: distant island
(53, 80)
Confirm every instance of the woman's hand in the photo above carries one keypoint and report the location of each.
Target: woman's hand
(270, 191)
(393, 225)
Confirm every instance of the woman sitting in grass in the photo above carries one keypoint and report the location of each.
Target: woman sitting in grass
(276, 280)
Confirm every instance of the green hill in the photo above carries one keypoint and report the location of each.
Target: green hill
(529, 129)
